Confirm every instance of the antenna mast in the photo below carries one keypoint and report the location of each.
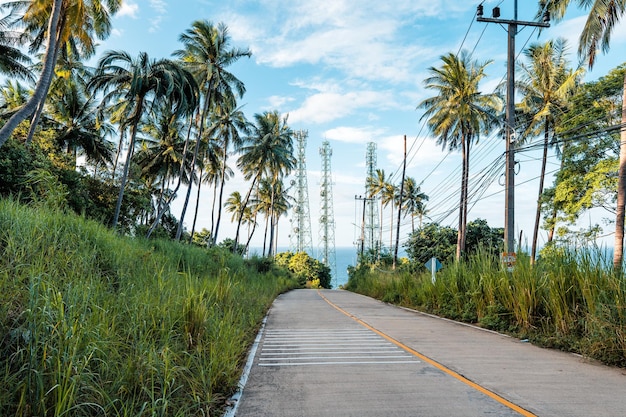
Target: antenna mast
(300, 237)
(327, 218)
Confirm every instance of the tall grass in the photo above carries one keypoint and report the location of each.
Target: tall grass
(571, 299)
(92, 324)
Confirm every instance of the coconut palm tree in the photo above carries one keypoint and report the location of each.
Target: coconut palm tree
(161, 156)
(413, 200)
(13, 95)
(72, 112)
(375, 186)
(546, 83)
(457, 114)
(119, 76)
(267, 151)
(13, 62)
(603, 17)
(228, 123)
(207, 54)
(73, 23)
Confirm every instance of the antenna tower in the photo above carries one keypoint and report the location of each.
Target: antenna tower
(372, 241)
(300, 238)
(327, 218)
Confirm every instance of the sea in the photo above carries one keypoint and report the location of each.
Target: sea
(344, 257)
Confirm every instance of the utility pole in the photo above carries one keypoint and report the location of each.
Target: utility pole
(361, 244)
(509, 202)
(395, 253)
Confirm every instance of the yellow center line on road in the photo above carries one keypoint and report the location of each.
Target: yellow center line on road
(434, 363)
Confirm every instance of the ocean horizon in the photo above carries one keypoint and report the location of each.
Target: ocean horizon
(344, 258)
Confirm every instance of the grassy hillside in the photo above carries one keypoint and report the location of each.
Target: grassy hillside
(93, 324)
(570, 300)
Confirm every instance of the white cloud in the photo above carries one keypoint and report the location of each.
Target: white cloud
(327, 107)
(277, 102)
(117, 33)
(128, 9)
(159, 6)
(358, 135)
(155, 24)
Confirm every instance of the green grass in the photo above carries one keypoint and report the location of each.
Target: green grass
(570, 300)
(93, 324)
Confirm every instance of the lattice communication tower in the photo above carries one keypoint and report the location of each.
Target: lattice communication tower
(300, 237)
(327, 218)
(372, 240)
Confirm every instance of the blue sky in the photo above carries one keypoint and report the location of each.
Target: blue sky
(351, 73)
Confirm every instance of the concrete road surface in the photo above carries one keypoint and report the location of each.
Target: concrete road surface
(335, 353)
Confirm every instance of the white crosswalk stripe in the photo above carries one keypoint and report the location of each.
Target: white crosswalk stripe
(329, 347)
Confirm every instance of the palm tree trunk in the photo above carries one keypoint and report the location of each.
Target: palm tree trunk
(250, 234)
(267, 220)
(41, 89)
(243, 208)
(196, 150)
(179, 229)
(533, 250)
(466, 196)
(459, 236)
(195, 215)
(131, 147)
(37, 115)
(212, 241)
(621, 192)
(119, 151)
(180, 179)
(219, 207)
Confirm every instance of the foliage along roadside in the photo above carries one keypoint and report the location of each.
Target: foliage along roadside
(92, 323)
(570, 300)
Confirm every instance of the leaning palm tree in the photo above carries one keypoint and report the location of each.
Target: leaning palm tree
(119, 76)
(546, 84)
(267, 151)
(63, 23)
(207, 54)
(457, 114)
(603, 17)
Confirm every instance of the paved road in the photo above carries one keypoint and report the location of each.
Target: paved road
(335, 353)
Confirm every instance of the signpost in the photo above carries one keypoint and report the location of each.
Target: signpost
(434, 265)
(508, 260)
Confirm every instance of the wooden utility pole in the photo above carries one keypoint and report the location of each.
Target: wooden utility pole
(509, 202)
(395, 253)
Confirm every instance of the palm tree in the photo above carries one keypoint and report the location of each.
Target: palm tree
(13, 95)
(72, 113)
(227, 125)
(546, 84)
(389, 197)
(207, 54)
(161, 157)
(596, 35)
(457, 113)
(413, 200)
(267, 151)
(72, 23)
(375, 186)
(120, 76)
(13, 62)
